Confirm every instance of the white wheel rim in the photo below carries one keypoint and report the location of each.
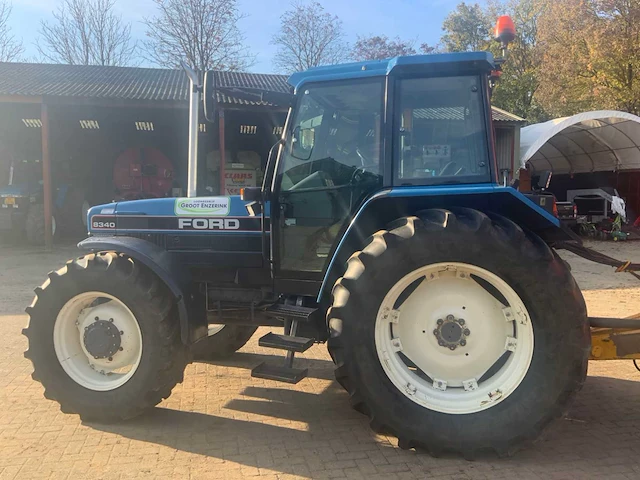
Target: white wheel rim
(69, 332)
(214, 328)
(484, 368)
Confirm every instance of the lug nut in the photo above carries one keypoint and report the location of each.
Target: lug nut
(441, 343)
(450, 318)
(440, 321)
(96, 318)
(463, 343)
(435, 332)
(110, 359)
(111, 320)
(467, 332)
(120, 349)
(461, 321)
(121, 332)
(452, 347)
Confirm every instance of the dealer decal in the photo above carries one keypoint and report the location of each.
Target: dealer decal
(203, 206)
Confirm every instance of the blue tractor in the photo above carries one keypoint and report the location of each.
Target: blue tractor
(380, 229)
(22, 205)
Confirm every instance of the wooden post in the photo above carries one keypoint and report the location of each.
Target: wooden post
(46, 178)
(221, 144)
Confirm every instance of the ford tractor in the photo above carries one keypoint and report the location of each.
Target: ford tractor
(381, 229)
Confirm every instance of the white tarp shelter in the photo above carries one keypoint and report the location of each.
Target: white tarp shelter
(603, 140)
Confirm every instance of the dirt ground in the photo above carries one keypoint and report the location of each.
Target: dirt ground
(221, 423)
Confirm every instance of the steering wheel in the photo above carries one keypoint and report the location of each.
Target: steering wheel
(364, 161)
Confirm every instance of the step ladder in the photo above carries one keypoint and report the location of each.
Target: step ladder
(292, 344)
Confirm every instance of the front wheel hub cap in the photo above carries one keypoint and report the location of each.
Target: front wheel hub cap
(451, 332)
(102, 339)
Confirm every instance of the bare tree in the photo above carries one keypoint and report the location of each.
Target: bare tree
(10, 48)
(205, 33)
(87, 32)
(309, 37)
(379, 47)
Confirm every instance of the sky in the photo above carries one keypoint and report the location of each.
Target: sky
(418, 20)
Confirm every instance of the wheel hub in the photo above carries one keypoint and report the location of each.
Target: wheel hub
(451, 332)
(102, 339)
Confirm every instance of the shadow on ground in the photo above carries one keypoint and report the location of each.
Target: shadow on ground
(297, 428)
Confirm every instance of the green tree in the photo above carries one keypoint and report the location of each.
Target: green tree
(592, 56)
(466, 29)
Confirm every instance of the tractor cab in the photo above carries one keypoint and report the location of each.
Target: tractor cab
(357, 129)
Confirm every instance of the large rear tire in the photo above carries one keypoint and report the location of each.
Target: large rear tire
(34, 225)
(458, 332)
(72, 216)
(222, 342)
(104, 339)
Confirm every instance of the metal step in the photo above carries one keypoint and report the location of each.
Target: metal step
(286, 342)
(278, 373)
(290, 312)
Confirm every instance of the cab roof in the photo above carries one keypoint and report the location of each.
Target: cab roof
(452, 63)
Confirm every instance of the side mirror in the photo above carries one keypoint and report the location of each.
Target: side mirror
(302, 142)
(251, 194)
(210, 99)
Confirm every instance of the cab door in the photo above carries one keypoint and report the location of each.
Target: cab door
(330, 162)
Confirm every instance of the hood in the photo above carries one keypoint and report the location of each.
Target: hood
(21, 190)
(172, 214)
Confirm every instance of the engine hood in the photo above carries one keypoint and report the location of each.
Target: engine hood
(21, 190)
(223, 213)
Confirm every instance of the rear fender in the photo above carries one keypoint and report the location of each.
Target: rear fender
(390, 204)
(191, 306)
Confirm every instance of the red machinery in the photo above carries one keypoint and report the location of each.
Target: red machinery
(143, 172)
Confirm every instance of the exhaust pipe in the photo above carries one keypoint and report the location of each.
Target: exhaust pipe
(194, 105)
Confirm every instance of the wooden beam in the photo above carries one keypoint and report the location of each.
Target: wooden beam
(20, 99)
(46, 178)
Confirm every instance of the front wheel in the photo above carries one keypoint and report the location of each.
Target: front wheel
(104, 339)
(459, 332)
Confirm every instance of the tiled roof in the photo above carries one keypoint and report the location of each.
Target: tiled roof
(93, 81)
(153, 84)
(500, 115)
(276, 83)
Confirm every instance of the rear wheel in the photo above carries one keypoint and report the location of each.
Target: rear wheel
(35, 227)
(222, 342)
(458, 332)
(103, 338)
(73, 213)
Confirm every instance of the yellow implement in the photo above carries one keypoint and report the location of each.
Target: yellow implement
(612, 340)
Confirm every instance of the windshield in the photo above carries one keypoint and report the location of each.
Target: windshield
(441, 135)
(24, 172)
(336, 131)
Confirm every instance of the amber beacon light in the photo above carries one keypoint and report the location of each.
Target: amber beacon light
(505, 31)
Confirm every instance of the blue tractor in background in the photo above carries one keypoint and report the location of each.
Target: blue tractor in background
(380, 229)
(22, 204)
